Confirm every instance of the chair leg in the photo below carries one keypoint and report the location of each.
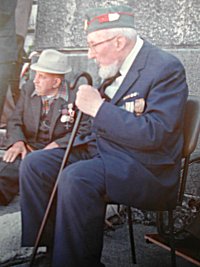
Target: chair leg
(172, 239)
(131, 234)
(160, 223)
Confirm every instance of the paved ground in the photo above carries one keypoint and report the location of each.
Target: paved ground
(116, 251)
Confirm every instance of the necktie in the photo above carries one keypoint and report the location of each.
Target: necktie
(45, 106)
(106, 83)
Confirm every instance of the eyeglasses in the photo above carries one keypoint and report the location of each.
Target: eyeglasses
(92, 47)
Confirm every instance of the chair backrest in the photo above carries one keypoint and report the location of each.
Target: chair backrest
(191, 135)
(191, 125)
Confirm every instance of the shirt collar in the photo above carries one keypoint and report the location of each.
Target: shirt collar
(112, 89)
(131, 57)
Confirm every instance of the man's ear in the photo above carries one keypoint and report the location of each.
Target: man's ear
(120, 42)
(57, 82)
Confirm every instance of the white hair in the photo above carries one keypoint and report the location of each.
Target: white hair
(129, 33)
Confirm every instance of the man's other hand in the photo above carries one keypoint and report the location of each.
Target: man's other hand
(15, 150)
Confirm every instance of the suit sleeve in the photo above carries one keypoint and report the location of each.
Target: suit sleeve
(15, 122)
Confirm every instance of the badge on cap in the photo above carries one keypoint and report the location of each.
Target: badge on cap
(113, 16)
(108, 17)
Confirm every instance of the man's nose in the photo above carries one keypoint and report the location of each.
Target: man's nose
(35, 80)
(91, 54)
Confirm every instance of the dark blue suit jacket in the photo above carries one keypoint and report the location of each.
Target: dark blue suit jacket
(142, 154)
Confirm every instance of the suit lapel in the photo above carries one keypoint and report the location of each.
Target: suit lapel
(36, 110)
(133, 74)
(56, 114)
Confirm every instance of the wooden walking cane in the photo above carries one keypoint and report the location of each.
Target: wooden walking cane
(64, 161)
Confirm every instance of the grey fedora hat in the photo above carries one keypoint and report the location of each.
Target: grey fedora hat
(51, 61)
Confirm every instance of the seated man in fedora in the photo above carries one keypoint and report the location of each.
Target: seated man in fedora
(42, 119)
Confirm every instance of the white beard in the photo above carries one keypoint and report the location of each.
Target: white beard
(108, 71)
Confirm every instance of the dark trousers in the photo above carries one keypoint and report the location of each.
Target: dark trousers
(9, 181)
(79, 208)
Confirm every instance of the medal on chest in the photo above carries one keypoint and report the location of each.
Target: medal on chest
(68, 115)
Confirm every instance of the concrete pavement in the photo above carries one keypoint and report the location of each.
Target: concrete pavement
(116, 252)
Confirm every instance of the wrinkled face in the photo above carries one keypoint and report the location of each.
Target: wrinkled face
(104, 50)
(46, 83)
